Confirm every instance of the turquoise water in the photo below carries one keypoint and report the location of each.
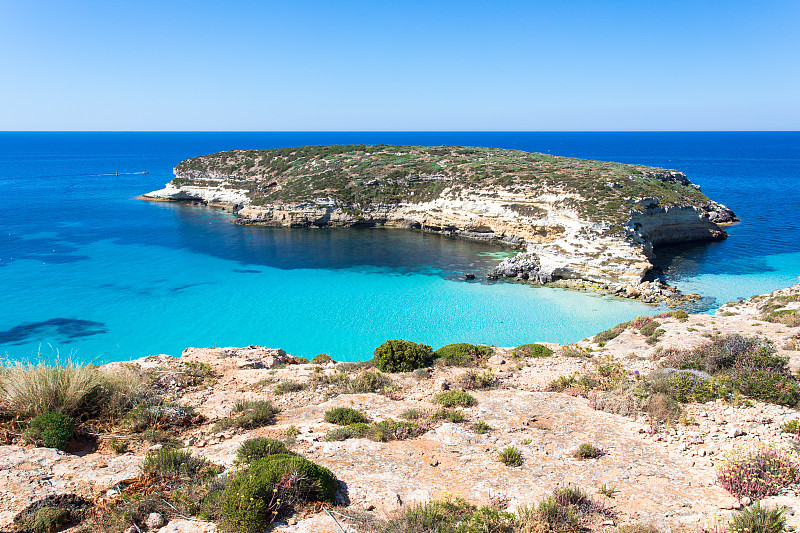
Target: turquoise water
(86, 269)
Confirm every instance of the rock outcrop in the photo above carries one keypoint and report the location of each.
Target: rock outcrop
(575, 219)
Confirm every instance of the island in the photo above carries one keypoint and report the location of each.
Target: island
(575, 221)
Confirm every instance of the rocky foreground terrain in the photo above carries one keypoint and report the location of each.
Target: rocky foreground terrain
(575, 219)
(661, 474)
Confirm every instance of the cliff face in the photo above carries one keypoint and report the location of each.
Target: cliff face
(576, 219)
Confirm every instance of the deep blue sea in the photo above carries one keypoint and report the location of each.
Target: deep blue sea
(88, 271)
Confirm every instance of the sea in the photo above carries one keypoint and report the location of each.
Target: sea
(90, 273)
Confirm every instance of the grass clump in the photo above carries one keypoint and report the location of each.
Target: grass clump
(480, 427)
(47, 520)
(605, 336)
(455, 398)
(53, 429)
(259, 447)
(398, 355)
(588, 451)
(146, 417)
(344, 416)
(463, 354)
(289, 386)
(383, 431)
(510, 456)
(249, 415)
(167, 462)
(472, 380)
(568, 509)
(757, 519)
(531, 350)
(791, 426)
(451, 514)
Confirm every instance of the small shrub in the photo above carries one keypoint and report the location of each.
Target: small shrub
(118, 446)
(763, 384)
(449, 515)
(402, 356)
(687, 387)
(170, 462)
(480, 427)
(448, 414)
(472, 380)
(588, 451)
(455, 398)
(463, 354)
(421, 374)
(254, 414)
(791, 426)
(510, 456)
(289, 386)
(757, 519)
(300, 361)
(255, 496)
(608, 492)
(47, 520)
(573, 350)
(321, 359)
(164, 416)
(649, 329)
(344, 416)
(259, 447)
(641, 321)
(53, 429)
(368, 381)
(561, 383)
(292, 431)
(353, 431)
(757, 473)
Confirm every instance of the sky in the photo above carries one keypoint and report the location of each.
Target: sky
(399, 65)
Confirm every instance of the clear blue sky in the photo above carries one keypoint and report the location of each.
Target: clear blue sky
(402, 65)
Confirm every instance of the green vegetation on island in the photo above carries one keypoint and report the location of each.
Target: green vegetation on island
(361, 177)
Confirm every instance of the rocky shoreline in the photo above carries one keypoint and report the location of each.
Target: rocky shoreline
(662, 474)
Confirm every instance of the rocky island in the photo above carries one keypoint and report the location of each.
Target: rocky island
(574, 220)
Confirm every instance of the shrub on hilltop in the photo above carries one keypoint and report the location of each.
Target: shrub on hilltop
(398, 355)
(531, 350)
(463, 354)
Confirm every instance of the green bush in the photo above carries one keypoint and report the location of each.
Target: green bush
(300, 361)
(353, 431)
(531, 350)
(510, 456)
(757, 519)
(259, 447)
(171, 462)
(53, 429)
(344, 416)
(650, 328)
(763, 384)
(791, 426)
(686, 387)
(455, 398)
(463, 354)
(321, 359)
(255, 496)
(47, 520)
(480, 427)
(402, 356)
(588, 451)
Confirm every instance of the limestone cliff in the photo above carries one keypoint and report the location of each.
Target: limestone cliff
(576, 219)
